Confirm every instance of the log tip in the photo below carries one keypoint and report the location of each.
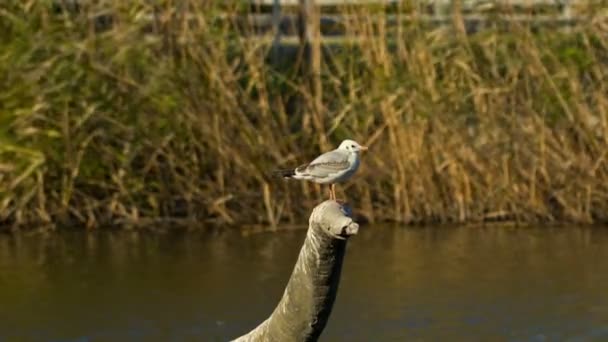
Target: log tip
(335, 218)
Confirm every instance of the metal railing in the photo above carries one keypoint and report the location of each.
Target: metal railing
(269, 17)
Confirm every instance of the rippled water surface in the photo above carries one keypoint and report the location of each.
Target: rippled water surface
(398, 284)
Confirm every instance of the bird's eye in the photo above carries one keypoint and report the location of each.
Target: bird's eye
(352, 146)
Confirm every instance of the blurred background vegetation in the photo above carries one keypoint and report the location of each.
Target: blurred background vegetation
(126, 112)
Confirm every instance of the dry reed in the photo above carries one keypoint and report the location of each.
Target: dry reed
(122, 111)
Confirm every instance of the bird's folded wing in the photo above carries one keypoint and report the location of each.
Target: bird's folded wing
(325, 165)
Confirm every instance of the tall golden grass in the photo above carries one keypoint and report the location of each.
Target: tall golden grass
(165, 110)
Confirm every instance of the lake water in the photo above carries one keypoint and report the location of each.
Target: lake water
(398, 284)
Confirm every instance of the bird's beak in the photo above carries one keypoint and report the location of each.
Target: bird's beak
(363, 148)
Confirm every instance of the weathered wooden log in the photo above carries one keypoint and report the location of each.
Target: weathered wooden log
(309, 296)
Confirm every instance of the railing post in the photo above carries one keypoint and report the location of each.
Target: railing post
(441, 9)
(276, 27)
(567, 10)
(566, 15)
(310, 39)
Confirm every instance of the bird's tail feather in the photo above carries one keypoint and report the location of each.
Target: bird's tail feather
(285, 173)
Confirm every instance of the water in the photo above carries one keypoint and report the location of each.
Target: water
(398, 284)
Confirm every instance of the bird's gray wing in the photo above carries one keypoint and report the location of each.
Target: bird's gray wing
(326, 164)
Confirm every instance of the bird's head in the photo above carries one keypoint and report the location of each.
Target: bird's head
(351, 146)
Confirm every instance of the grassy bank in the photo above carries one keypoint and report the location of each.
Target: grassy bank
(154, 114)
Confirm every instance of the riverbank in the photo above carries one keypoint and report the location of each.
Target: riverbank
(182, 119)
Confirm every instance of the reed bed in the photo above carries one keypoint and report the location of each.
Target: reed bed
(127, 112)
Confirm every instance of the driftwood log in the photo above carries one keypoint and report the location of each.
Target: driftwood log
(309, 296)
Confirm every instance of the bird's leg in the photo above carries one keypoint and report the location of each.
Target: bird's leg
(331, 195)
(333, 191)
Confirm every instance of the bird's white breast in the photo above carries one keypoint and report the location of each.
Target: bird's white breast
(354, 161)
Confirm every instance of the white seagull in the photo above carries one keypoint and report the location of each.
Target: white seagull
(331, 167)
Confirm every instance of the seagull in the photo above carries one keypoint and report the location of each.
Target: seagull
(331, 167)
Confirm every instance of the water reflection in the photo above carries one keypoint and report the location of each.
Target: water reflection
(398, 284)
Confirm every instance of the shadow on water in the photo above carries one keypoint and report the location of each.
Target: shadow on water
(529, 284)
